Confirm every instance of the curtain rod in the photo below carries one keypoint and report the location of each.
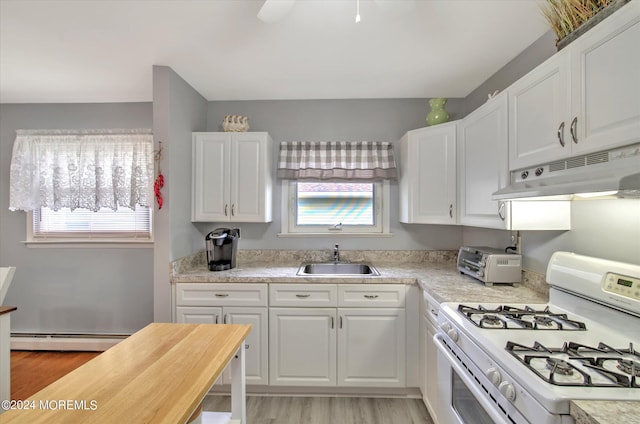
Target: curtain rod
(108, 131)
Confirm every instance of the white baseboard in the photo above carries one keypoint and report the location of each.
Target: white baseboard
(86, 343)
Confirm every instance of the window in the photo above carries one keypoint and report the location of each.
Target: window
(330, 207)
(82, 225)
(84, 185)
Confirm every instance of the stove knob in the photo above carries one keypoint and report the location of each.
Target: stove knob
(507, 390)
(453, 334)
(494, 375)
(445, 327)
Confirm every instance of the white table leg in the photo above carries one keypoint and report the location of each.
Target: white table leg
(5, 359)
(238, 390)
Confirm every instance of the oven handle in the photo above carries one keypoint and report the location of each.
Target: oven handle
(477, 394)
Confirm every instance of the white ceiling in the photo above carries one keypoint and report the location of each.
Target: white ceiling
(103, 50)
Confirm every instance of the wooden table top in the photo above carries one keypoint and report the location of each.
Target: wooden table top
(7, 309)
(158, 375)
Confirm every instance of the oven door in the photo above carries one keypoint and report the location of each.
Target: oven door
(463, 399)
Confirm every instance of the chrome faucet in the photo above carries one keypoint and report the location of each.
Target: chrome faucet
(336, 254)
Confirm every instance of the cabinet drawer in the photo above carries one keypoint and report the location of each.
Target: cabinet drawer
(205, 294)
(303, 295)
(370, 295)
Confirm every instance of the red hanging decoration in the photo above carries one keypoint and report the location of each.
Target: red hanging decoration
(159, 182)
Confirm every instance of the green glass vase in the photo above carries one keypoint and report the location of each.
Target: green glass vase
(438, 114)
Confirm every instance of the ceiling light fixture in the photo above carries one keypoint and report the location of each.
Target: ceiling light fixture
(357, 11)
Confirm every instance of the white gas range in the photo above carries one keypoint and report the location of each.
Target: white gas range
(519, 364)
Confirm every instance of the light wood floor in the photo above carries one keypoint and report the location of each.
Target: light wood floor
(325, 410)
(32, 371)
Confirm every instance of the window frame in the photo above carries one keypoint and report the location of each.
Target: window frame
(381, 228)
(105, 239)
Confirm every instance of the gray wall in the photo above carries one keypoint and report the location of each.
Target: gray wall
(607, 229)
(331, 120)
(539, 51)
(178, 110)
(92, 290)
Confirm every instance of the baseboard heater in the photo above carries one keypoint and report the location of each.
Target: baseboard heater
(65, 341)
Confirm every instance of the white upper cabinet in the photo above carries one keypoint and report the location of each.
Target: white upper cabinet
(584, 99)
(232, 177)
(483, 164)
(428, 175)
(539, 111)
(605, 69)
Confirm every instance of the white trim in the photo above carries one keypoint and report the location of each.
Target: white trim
(71, 343)
(382, 211)
(74, 244)
(334, 234)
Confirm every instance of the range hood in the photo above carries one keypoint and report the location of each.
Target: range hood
(615, 172)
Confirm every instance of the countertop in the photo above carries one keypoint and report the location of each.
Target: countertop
(7, 309)
(433, 271)
(437, 275)
(605, 412)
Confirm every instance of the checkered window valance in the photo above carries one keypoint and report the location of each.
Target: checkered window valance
(344, 160)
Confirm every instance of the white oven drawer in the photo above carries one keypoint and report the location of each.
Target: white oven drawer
(371, 295)
(303, 295)
(213, 294)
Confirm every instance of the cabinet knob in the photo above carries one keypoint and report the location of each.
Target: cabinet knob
(233, 209)
(226, 207)
(222, 295)
(451, 210)
(303, 295)
(371, 296)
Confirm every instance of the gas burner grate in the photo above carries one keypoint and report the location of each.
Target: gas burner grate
(575, 364)
(514, 318)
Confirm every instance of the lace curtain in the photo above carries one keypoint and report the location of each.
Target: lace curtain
(345, 160)
(89, 169)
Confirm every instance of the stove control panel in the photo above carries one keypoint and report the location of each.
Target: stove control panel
(622, 285)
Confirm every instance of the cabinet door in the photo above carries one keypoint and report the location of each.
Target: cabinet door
(428, 175)
(432, 397)
(250, 178)
(422, 355)
(198, 315)
(371, 347)
(539, 114)
(302, 346)
(256, 343)
(483, 163)
(606, 83)
(210, 199)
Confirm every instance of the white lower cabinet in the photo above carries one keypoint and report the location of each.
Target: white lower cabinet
(329, 346)
(256, 343)
(429, 358)
(302, 346)
(309, 335)
(371, 347)
(211, 303)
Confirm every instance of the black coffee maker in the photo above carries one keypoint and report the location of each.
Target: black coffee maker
(222, 244)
